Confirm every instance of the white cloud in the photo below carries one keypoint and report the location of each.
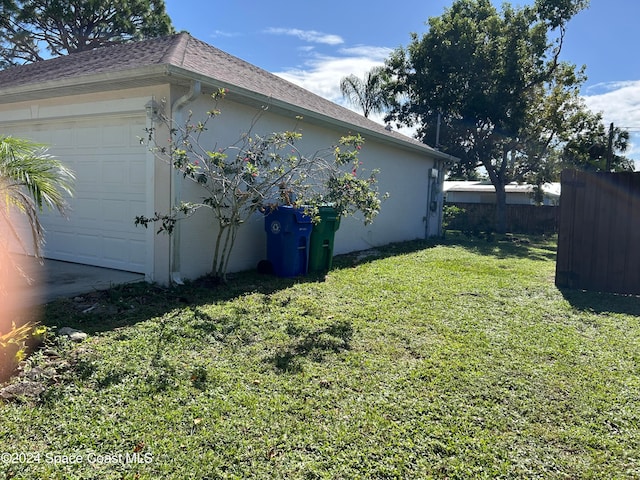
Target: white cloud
(308, 35)
(620, 104)
(378, 54)
(321, 74)
(221, 33)
(604, 87)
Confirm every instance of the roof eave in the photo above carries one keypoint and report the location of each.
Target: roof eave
(261, 100)
(157, 73)
(146, 75)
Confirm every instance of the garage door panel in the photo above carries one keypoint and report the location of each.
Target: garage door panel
(110, 190)
(115, 136)
(112, 210)
(136, 251)
(63, 136)
(86, 137)
(87, 175)
(71, 246)
(115, 248)
(137, 173)
(84, 209)
(121, 250)
(115, 175)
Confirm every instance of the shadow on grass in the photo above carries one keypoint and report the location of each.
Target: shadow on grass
(313, 344)
(533, 247)
(129, 304)
(499, 246)
(598, 302)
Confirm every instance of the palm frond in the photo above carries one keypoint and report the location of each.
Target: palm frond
(28, 165)
(353, 89)
(30, 180)
(368, 94)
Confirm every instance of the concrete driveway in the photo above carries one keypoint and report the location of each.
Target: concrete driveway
(55, 279)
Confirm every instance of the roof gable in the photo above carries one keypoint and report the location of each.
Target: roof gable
(91, 62)
(191, 57)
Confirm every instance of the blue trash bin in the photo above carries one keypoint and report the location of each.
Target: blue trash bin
(288, 231)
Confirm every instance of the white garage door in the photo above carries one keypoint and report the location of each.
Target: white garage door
(110, 190)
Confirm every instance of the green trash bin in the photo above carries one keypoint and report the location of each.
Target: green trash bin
(321, 242)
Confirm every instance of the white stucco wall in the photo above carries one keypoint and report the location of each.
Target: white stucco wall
(403, 174)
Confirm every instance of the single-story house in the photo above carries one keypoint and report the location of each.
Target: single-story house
(91, 108)
(484, 192)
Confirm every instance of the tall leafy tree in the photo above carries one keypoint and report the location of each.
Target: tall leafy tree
(491, 76)
(368, 93)
(32, 30)
(596, 147)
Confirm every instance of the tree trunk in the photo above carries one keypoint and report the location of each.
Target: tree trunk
(501, 208)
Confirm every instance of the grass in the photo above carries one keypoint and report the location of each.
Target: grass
(453, 360)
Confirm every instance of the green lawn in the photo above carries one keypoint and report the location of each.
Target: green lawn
(453, 360)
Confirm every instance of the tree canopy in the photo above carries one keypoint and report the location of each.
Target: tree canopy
(495, 80)
(33, 30)
(595, 147)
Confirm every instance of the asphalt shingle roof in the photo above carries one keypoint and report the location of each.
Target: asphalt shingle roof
(192, 55)
(92, 62)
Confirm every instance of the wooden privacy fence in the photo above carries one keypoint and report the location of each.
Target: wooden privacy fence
(599, 232)
(529, 219)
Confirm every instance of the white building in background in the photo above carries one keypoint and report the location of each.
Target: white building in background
(485, 192)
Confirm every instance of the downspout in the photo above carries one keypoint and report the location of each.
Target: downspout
(441, 166)
(175, 180)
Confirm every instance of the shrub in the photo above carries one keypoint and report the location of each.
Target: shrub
(451, 215)
(16, 344)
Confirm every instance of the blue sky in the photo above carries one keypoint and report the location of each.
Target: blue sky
(315, 44)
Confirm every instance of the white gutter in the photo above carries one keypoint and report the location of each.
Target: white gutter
(441, 166)
(235, 91)
(175, 179)
(143, 76)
